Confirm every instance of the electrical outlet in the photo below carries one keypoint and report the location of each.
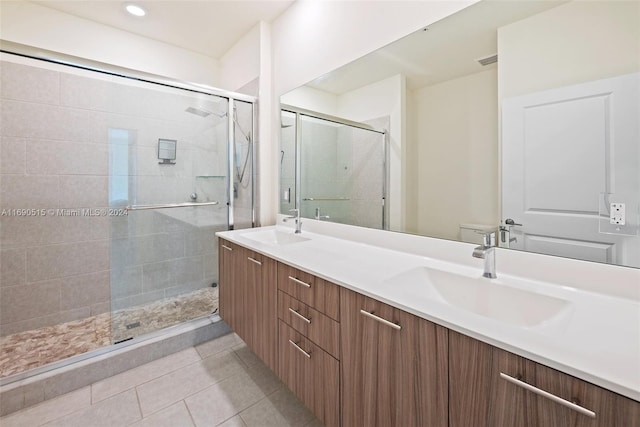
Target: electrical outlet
(617, 214)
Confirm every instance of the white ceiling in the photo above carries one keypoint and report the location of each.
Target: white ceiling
(209, 27)
(448, 49)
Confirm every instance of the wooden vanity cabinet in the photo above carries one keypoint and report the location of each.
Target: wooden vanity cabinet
(394, 366)
(309, 341)
(230, 282)
(482, 389)
(248, 298)
(355, 361)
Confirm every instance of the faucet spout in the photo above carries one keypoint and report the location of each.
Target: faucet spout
(321, 217)
(488, 254)
(297, 220)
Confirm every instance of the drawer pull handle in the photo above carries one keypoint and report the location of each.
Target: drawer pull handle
(227, 248)
(254, 260)
(300, 282)
(299, 349)
(381, 320)
(300, 315)
(548, 395)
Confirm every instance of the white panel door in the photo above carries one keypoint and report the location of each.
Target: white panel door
(561, 149)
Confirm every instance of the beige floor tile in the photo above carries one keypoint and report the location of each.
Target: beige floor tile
(233, 422)
(176, 415)
(264, 378)
(223, 400)
(219, 344)
(49, 410)
(280, 409)
(119, 410)
(142, 374)
(245, 354)
(177, 385)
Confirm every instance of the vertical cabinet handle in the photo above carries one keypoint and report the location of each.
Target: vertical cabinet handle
(227, 248)
(300, 315)
(254, 260)
(381, 320)
(546, 394)
(300, 349)
(300, 282)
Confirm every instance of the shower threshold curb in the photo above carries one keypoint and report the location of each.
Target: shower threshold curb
(26, 389)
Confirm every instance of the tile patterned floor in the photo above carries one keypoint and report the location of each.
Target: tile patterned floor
(31, 349)
(218, 383)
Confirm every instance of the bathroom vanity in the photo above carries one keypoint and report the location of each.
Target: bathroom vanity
(367, 334)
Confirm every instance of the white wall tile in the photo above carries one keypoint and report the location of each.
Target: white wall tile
(12, 155)
(29, 191)
(29, 300)
(30, 120)
(69, 259)
(25, 83)
(13, 268)
(49, 157)
(83, 191)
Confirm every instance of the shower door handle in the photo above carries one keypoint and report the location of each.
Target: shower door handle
(168, 206)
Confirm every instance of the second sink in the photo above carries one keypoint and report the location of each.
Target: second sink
(486, 297)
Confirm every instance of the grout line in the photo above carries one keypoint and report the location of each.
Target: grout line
(189, 395)
(193, 420)
(139, 405)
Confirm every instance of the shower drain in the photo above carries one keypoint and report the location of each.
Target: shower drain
(133, 325)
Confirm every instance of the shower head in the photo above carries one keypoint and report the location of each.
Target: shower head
(203, 113)
(198, 111)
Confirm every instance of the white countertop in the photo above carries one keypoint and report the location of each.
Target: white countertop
(596, 337)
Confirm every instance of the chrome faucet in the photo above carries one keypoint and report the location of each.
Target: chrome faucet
(297, 218)
(321, 217)
(487, 252)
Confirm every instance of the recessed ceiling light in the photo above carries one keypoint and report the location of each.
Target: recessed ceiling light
(135, 10)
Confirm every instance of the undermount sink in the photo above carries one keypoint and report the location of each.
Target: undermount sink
(275, 237)
(486, 297)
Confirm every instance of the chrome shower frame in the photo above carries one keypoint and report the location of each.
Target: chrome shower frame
(298, 112)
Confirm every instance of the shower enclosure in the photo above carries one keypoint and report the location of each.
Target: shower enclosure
(111, 191)
(333, 169)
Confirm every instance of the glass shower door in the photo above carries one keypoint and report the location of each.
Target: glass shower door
(169, 185)
(342, 173)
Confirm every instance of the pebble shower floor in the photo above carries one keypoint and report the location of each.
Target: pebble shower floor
(27, 350)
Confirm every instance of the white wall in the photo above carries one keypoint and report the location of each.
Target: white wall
(240, 65)
(456, 133)
(312, 99)
(569, 44)
(34, 25)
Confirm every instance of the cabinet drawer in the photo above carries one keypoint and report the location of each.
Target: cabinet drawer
(315, 292)
(321, 329)
(311, 374)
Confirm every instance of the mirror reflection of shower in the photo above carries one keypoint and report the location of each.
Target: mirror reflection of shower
(287, 193)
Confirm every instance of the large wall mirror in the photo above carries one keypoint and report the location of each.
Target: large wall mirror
(520, 118)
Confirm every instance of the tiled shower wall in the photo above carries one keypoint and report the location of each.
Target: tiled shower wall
(56, 153)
